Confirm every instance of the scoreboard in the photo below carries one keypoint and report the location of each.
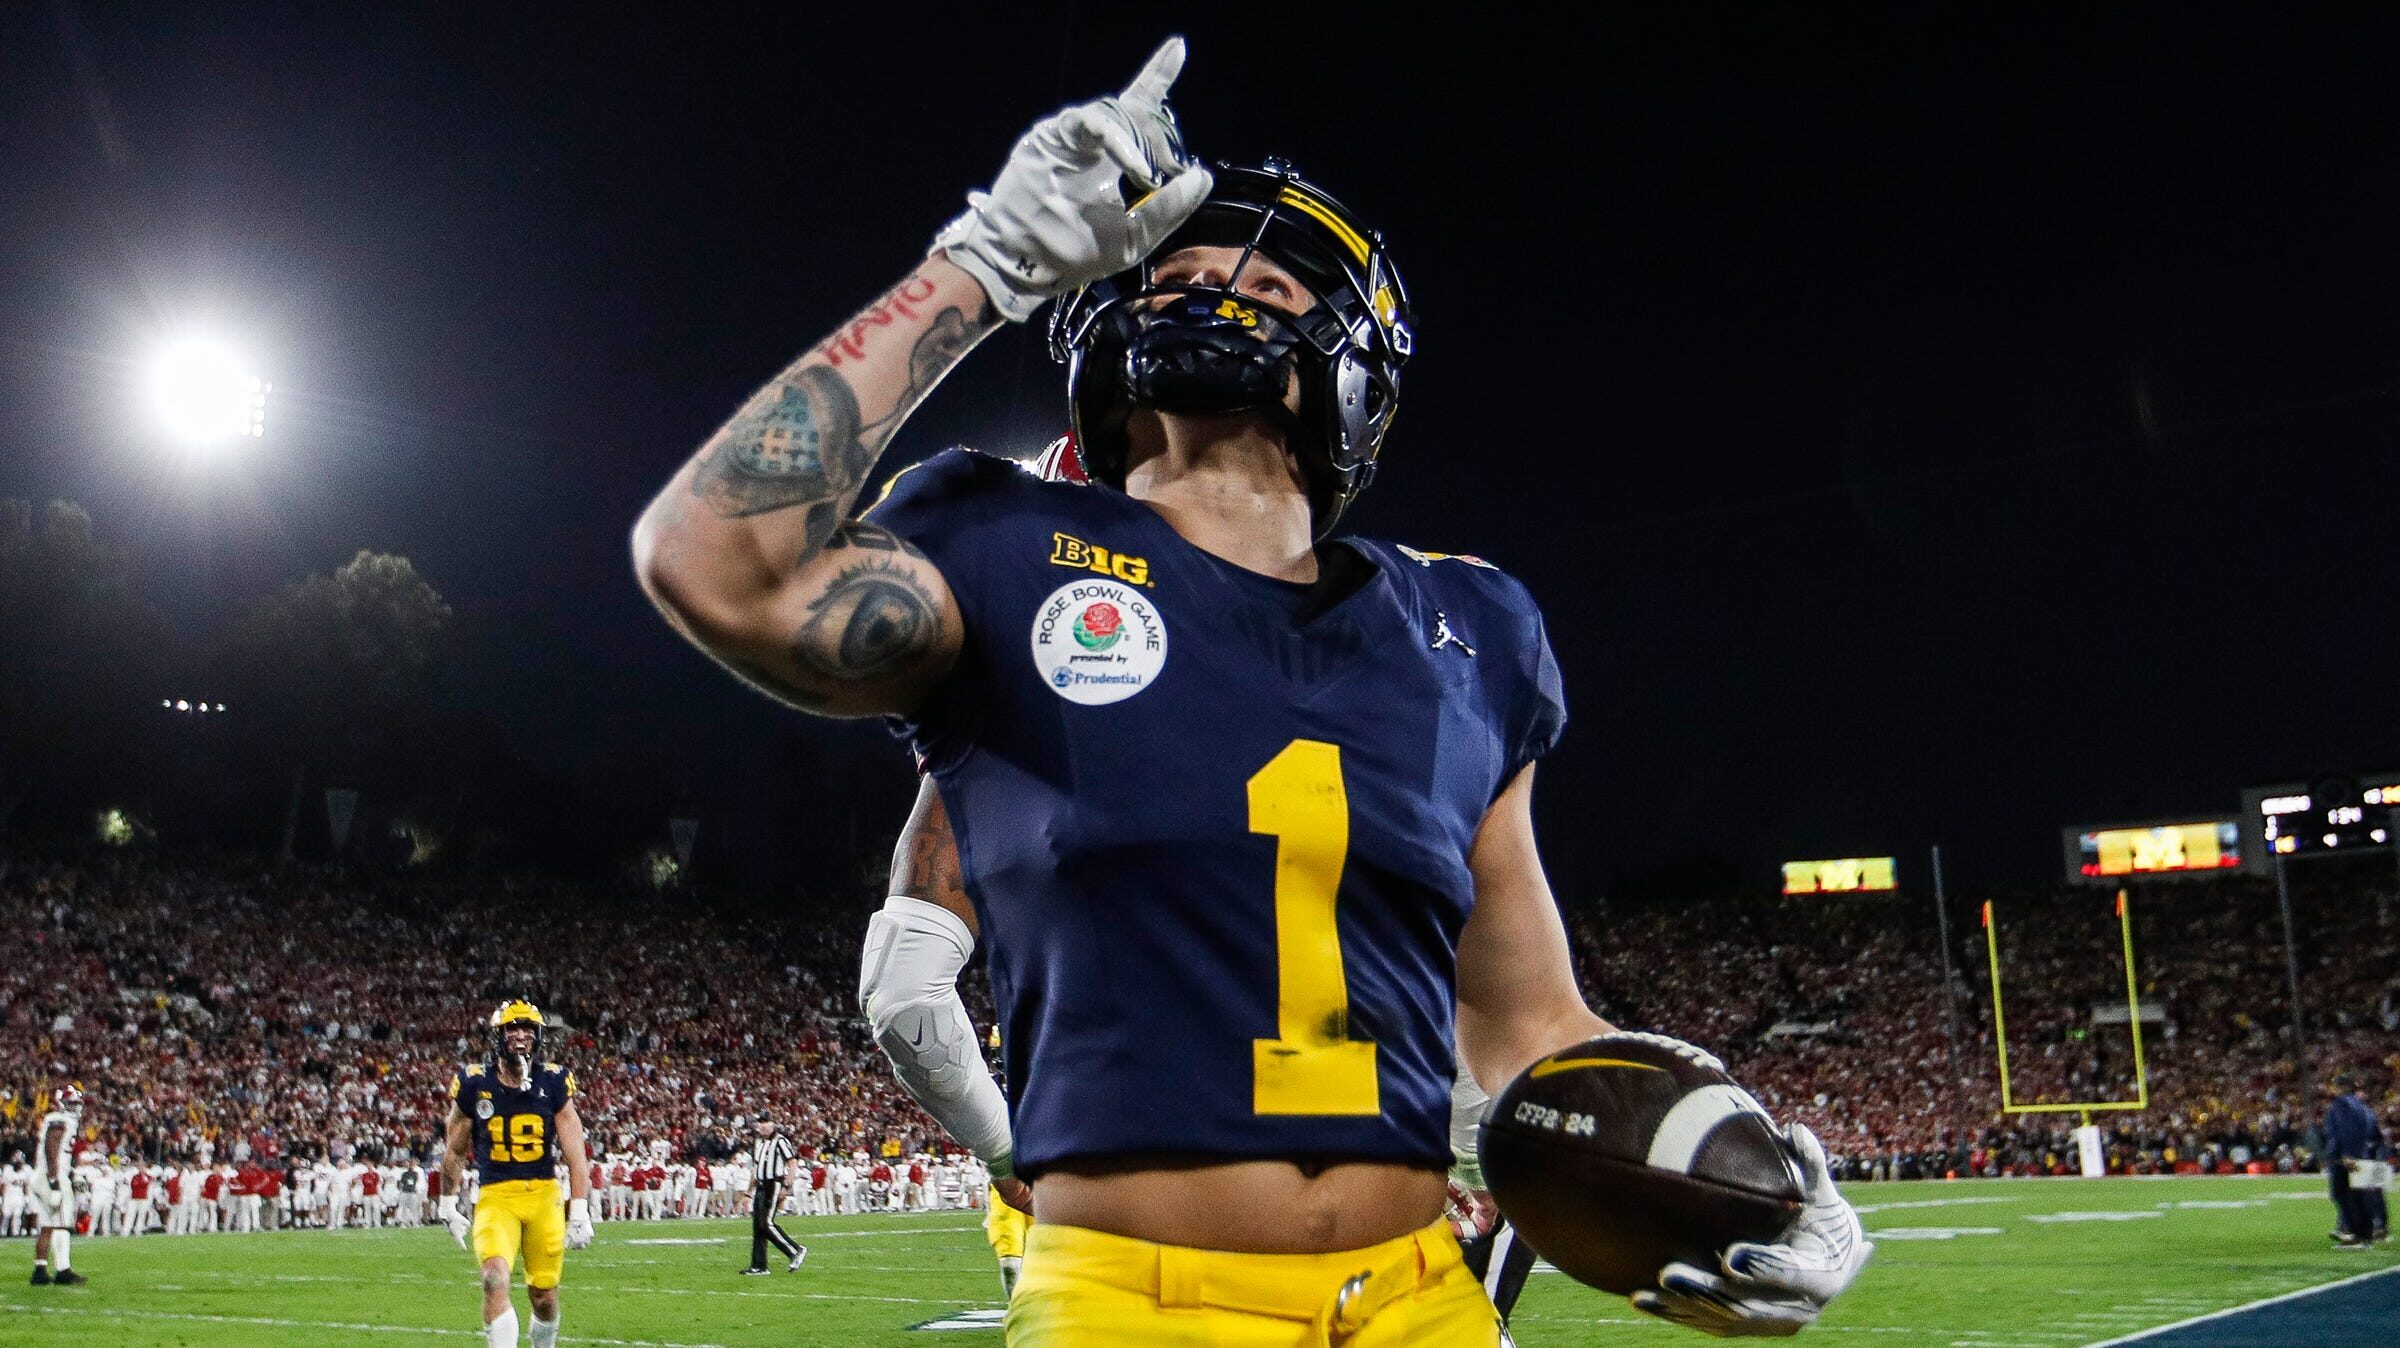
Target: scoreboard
(2100, 855)
(1845, 875)
(2331, 817)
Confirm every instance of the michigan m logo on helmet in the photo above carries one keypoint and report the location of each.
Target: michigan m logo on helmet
(1129, 341)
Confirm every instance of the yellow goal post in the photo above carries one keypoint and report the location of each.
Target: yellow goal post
(2133, 1021)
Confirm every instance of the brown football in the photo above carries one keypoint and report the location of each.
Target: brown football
(1629, 1152)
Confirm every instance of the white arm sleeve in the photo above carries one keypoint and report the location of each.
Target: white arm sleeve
(908, 986)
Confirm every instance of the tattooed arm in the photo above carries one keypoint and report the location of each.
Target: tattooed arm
(925, 860)
(750, 551)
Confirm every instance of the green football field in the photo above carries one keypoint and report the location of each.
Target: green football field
(1980, 1264)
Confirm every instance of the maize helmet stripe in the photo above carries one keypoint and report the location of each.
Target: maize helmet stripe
(1324, 215)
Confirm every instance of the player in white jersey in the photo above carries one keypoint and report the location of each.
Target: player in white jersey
(974, 1176)
(132, 1213)
(229, 1196)
(52, 1189)
(87, 1173)
(304, 1192)
(14, 1177)
(116, 1217)
(853, 1195)
(200, 1207)
(162, 1207)
(345, 1194)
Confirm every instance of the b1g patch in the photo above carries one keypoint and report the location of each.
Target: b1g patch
(1098, 641)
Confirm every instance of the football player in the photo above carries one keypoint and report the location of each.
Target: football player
(53, 1188)
(516, 1117)
(14, 1179)
(1243, 810)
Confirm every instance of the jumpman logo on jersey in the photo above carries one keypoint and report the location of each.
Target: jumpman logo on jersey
(1443, 636)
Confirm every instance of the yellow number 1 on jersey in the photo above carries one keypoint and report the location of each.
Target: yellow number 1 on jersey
(1312, 1065)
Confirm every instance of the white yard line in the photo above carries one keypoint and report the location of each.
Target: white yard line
(237, 1277)
(119, 1314)
(2245, 1306)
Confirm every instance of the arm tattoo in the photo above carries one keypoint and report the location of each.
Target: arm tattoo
(938, 348)
(943, 345)
(933, 873)
(875, 619)
(797, 443)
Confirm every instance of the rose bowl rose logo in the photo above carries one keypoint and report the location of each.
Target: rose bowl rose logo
(1099, 627)
(1095, 642)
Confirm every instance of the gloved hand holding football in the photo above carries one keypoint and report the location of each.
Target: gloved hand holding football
(1635, 1164)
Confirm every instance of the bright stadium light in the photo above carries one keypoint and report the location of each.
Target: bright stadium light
(204, 393)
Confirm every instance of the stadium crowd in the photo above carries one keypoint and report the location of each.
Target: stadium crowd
(289, 1038)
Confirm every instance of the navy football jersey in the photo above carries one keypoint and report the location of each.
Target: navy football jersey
(1217, 842)
(515, 1128)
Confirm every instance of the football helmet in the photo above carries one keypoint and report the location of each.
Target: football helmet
(70, 1097)
(517, 1011)
(1128, 341)
(1060, 462)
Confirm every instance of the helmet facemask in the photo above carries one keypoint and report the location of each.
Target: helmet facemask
(1132, 341)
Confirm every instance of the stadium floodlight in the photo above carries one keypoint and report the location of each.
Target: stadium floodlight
(204, 393)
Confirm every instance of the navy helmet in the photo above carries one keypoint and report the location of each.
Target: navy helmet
(1128, 341)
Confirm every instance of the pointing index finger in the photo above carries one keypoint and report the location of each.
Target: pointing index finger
(1149, 89)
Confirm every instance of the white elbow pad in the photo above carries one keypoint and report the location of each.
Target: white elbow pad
(908, 987)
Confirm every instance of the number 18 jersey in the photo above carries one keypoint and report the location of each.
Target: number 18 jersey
(1216, 837)
(515, 1128)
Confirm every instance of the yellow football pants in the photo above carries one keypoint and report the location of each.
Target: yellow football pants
(1087, 1289)
(1004, 1227)
(523, 1214)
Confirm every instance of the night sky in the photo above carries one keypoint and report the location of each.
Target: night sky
(1917, 428)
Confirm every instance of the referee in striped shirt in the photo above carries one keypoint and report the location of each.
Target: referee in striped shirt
(773, 1164)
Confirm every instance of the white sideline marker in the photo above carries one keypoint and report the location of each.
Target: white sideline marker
(2140, 1335)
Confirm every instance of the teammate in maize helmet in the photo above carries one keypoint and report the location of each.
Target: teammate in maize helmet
(514, 1115)
(53, 1189)
(1243, 810)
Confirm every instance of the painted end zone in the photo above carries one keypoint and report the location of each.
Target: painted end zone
(2351, 1313)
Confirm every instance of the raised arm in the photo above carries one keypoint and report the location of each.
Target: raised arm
(750, 550)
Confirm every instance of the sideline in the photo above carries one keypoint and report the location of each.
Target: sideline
(2246, 1307)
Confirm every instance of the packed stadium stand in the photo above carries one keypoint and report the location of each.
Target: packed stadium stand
(224, 1012)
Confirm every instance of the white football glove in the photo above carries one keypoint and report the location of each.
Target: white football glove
(1772, 1290)
(456, 1218)
(579, 1223)
(1056, 217)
